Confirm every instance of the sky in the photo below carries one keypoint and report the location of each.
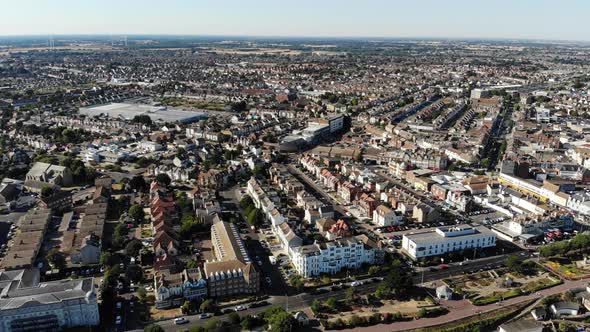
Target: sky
(486, 19)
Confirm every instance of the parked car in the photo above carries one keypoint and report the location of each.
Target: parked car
(205, 316)
(356, 283)
(259, 304)
(240, 308)
(180, 321)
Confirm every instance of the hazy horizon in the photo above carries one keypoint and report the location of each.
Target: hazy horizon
(425, 19)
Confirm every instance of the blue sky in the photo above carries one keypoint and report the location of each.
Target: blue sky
(522, 19)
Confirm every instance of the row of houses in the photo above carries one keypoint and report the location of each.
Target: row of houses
(340, 251)
(28, 241)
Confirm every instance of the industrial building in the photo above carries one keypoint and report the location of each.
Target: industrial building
(128, 111)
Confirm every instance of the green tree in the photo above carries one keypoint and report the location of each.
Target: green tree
(332, 304)
(120, 235)
(422, 313)
(512, 263)
(254, 217)
(153, 328)
(163, 179)
(136, 213)
(212, 324)
(186, 306)
(138, 183)
(57, 259)
(234, 318)
(246, 202)
(373, 270)
(143, 119)
(192, 264)
(133, 248)
(297, 282)
(207, 306)
(190, 225)
(134, 273)
(350, 296)
(106, 259)
(46, 191)
(141, 294)
(280, 322)
(249, 322)
(316, 306)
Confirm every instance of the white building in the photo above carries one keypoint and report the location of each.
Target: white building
(261, 201)
(332, 257)
(384, 216)
(29, 305)
(150, 146)
(177, 174)
(447, 239)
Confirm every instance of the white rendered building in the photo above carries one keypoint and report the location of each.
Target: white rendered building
(447, 239)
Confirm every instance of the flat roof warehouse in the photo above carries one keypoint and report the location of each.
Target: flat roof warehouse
(156, 113)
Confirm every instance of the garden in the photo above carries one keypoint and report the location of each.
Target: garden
(492, 286)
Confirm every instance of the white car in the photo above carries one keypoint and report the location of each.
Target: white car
(180, 321)
(356, 283)
(240, 308)
(118, 320)
(205, 316)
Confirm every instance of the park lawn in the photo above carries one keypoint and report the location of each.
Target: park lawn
(538, 285)
(497, 296)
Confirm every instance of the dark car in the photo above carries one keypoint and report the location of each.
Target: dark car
(335, 288)
(259, 304)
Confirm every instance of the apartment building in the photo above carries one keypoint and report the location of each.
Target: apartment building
(233, 272)
(447, 239)
(26, 304)
(332, 257)
(172, 289)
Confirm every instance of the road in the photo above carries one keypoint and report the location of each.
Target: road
(319, 191)
(302, 301)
